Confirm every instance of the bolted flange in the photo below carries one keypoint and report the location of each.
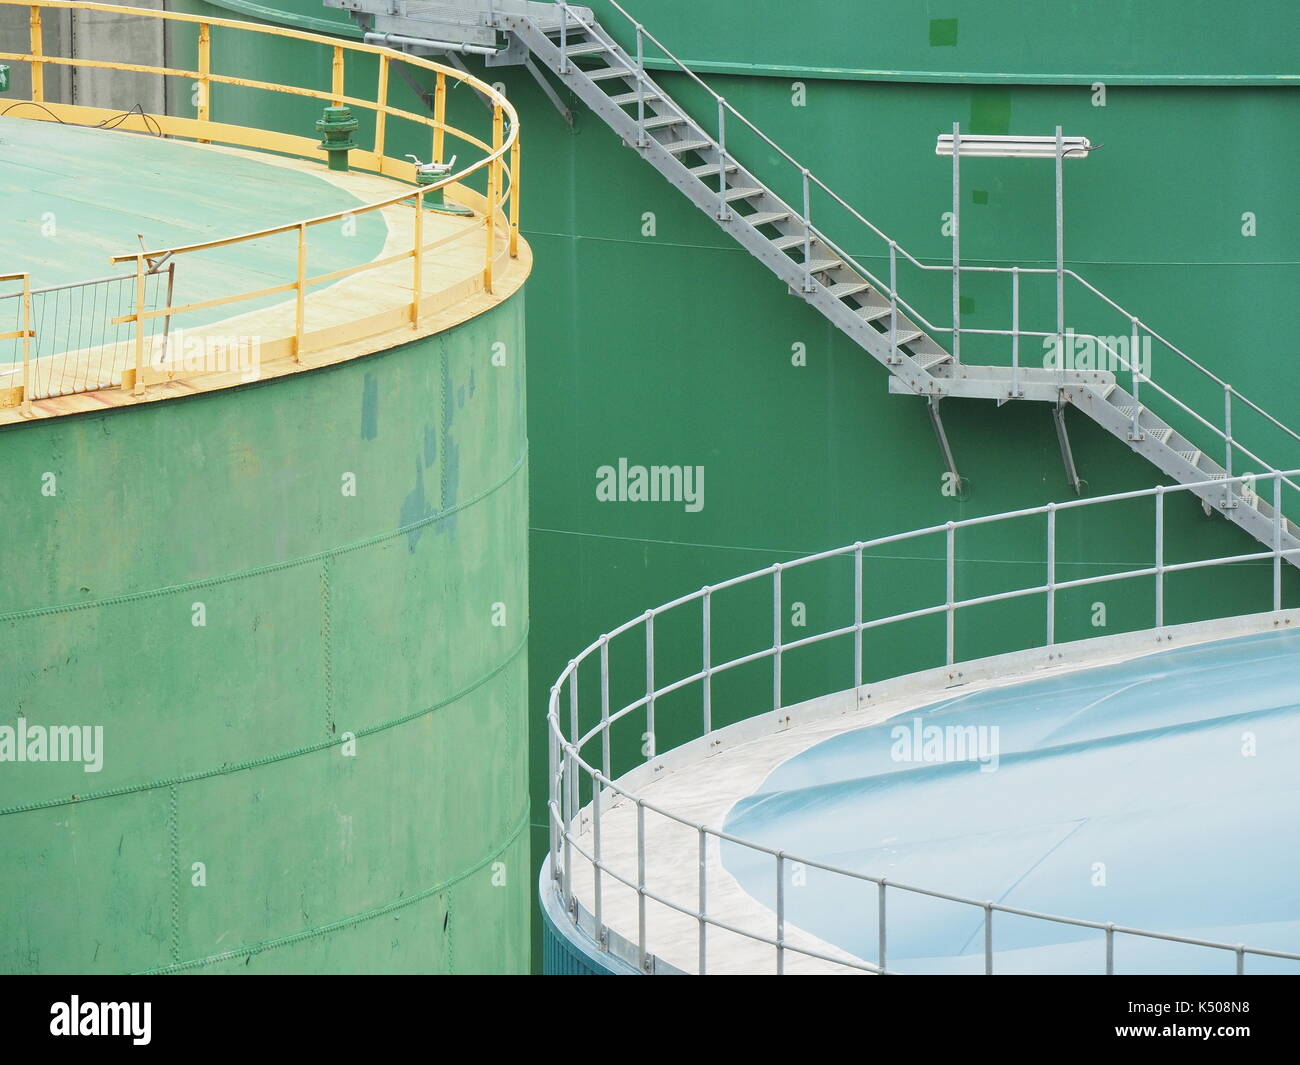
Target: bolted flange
(336, 128)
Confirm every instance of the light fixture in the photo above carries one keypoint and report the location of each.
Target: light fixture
(996, 147)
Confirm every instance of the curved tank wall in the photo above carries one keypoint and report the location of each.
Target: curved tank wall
(677, 347)
(312, 700)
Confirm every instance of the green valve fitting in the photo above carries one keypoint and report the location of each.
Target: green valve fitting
(336, 129)
(431, 174)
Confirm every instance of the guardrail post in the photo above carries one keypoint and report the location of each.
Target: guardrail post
(951, 574)
(137, 388)
(1227, 436)
(650, 684)
(381, 111)
(707, 658)
(604, 707)
(552, 774)
(300, 291)
(641, 140)
(439, 115)
(857, 615)
(807, 234)
(776, 637)
(956, 242)
(493, 196)
(704, 901)
(203, 106)
(1160, 556)
(640, 885)
(893, 303)
(988, 939)
(564, 37)
(597, 885)
(27, 344)
(1240, 951)
(575, 793)
(417, 261)
(780, 913)
(1051, 574)
(1060, 253)
(1015, 333)
(1110, 950)
(1277, 540)
(514, 197)
(724, 212)
(880, 920)
(336, 79)
(1135, 433)
(36, 49)
(568, 815)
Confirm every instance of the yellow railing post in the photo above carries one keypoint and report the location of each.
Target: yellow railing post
(137, 386)
(493, 197)
(417, 281)
(514, 197)
(300, 292)
(27, 344)
(439, 114)
(37, 50)
(381, 112)
(337, 89)
(203, 105)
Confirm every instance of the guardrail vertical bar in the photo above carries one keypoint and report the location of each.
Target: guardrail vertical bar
(575, 796)
(27, 344)
(650, 684)
(137, 388)
(597, 885)
(880, 921)
(1060, 252)
(552, 777)
(1227, 435)
(493, 196)
(568, 814)
(1051, 574)
(640, 883)
(564, 36)
(514, 197)
(724, 212)
(776, 637)
(950, 615)
(1277, 540)
(439, 115)
(36, 49)
(988, 939)
(956, 242)
(381, 111)
(1241, 959)
(203, 106)
(604, 707)
(1135, 373)
(893, 302)
(1110, 950)
(1160, 556)
(417, 261)
(807, 234)
(857, 615)
(704, 900)
(1015, 332)
(300, 290)
(706, 666)
(336, 79)
(641, 141)
(780, 913)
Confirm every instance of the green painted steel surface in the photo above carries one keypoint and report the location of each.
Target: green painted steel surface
(676, 348)
(396, 616)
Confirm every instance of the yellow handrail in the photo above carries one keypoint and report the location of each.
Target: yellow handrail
(500, 203)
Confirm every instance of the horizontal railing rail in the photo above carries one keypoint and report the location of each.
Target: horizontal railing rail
(498, 159)
(583, 787)
(894, 250)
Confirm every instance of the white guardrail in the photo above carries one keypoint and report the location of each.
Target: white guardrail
(574, 782)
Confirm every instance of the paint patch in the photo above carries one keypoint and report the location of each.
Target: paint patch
(990, 109)
(979, 195)
(967, 304)
(943, 33)
(369, 407)
(430, 444)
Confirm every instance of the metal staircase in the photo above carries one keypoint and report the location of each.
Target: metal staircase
(617, 87)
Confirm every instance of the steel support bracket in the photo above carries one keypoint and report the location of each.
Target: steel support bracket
(936, 420)
(1067, 453)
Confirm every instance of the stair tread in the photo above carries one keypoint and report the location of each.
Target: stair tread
(790, 240)
(927, 359)
(906, 336)
(661, 121)
(848, 288)
(587, 48)
(677, 147)
(744, 193)
(873, 314)
(710, 169)
(765, 218)
(818, 266)
(605, 73)
(632, 97)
